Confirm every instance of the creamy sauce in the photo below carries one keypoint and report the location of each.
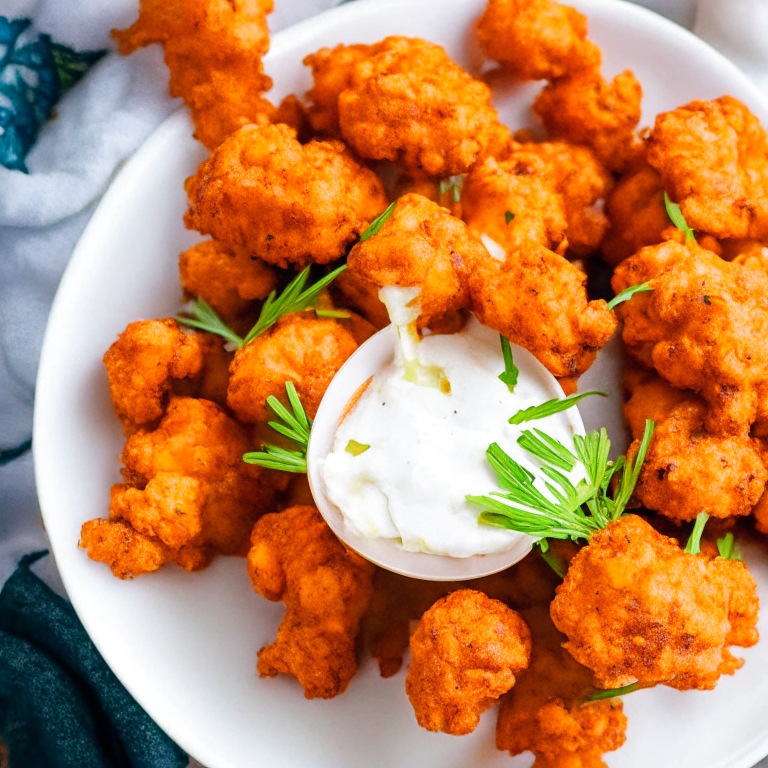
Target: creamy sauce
(428, 448)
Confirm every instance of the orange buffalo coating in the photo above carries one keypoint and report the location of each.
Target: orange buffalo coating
(298, 348)
(421, 244)
(636, 607)
(187, 495)
(713, 159)
(466, 653)
(546, 712)
(294, 557)
(230, 281)
(536, 39)
(538, 300)
(213, 49)
(704, 327)
(409, 103)
(141, 365)
(362, 295)
(244, 197)
(584, 109)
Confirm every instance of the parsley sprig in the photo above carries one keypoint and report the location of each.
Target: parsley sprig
(677, 218)
(551, 407)
(570, 511)
(296, 426)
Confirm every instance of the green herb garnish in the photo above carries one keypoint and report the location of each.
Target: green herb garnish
(555, 563)
(453, 183)
(600, 694)
(693, 547)
(377, 223)
(628, 293)
(677, 218)
(551, 407)
(295, 426)
(547, 448)
(356, 448)
(205, 319)
(508, 216)
(509, 377)
(728, 548)
(342, 314)
(571, 511)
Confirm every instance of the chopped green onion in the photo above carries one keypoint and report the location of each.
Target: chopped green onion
(509, 377)
(628, 293)
(377, 223)
(356, 448)
(551, 407)
(728, 548)
(693, 547)
(677, 218)
(343, 314)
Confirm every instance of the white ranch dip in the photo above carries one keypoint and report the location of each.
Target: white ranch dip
(428, 449)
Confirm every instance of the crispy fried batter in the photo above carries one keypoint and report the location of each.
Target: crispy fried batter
(244, 197)
(466, 653)
(421, 244)
(351, 291)
(635, 607)
(229, 280)
(538, 300)
(713, 159)
(584, 109)
(536, 39)
(704, 327)
(212, 381)
(141, 364)
(409, 103)
(637, 214)
(294, 557)
(299, 348)
(213, 49)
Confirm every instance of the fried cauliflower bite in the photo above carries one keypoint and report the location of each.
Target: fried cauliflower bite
(520, 186)
(712, 157)
(545, 713)
(422, 245)
(409, 103)
(305, 350)
(352, 291)
(584, 109)
(229, 280)
(466, 653)
(265, 193)
(688, 471)
(213, 49)
(198, 440)
(295, 557)
(636, 211)
(141, 364)
(538, 300)
(536, 39)
(704, 327)
(636, 607)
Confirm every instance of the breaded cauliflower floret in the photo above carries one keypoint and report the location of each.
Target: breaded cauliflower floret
(538, 300)
(584, 109)
(213, 49)
(421, 245)
(514, 202)
(636, 212)
(536, 39)
(289, 204)
(687, 471)
(636, 607)
(141, 365)
(466, 653)
(295, 557)
(299, 348)
(713, 160)
(229, 280)
(704, 327)
(361, 295)
(409, 103)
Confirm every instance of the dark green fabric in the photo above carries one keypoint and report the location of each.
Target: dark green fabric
(60, 704)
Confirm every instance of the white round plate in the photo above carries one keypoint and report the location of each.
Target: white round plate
(185, 644)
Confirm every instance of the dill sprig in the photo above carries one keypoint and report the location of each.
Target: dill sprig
(693, 547)
(378, 223)
(677, 218)
(560, 567)
(728, 548)
(628, 293)
(511, 372)
(296, 426)
(205, 319)
(551, 407)
(570, 511)
(599, 694)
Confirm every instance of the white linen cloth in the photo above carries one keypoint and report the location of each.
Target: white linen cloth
(98, 125)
